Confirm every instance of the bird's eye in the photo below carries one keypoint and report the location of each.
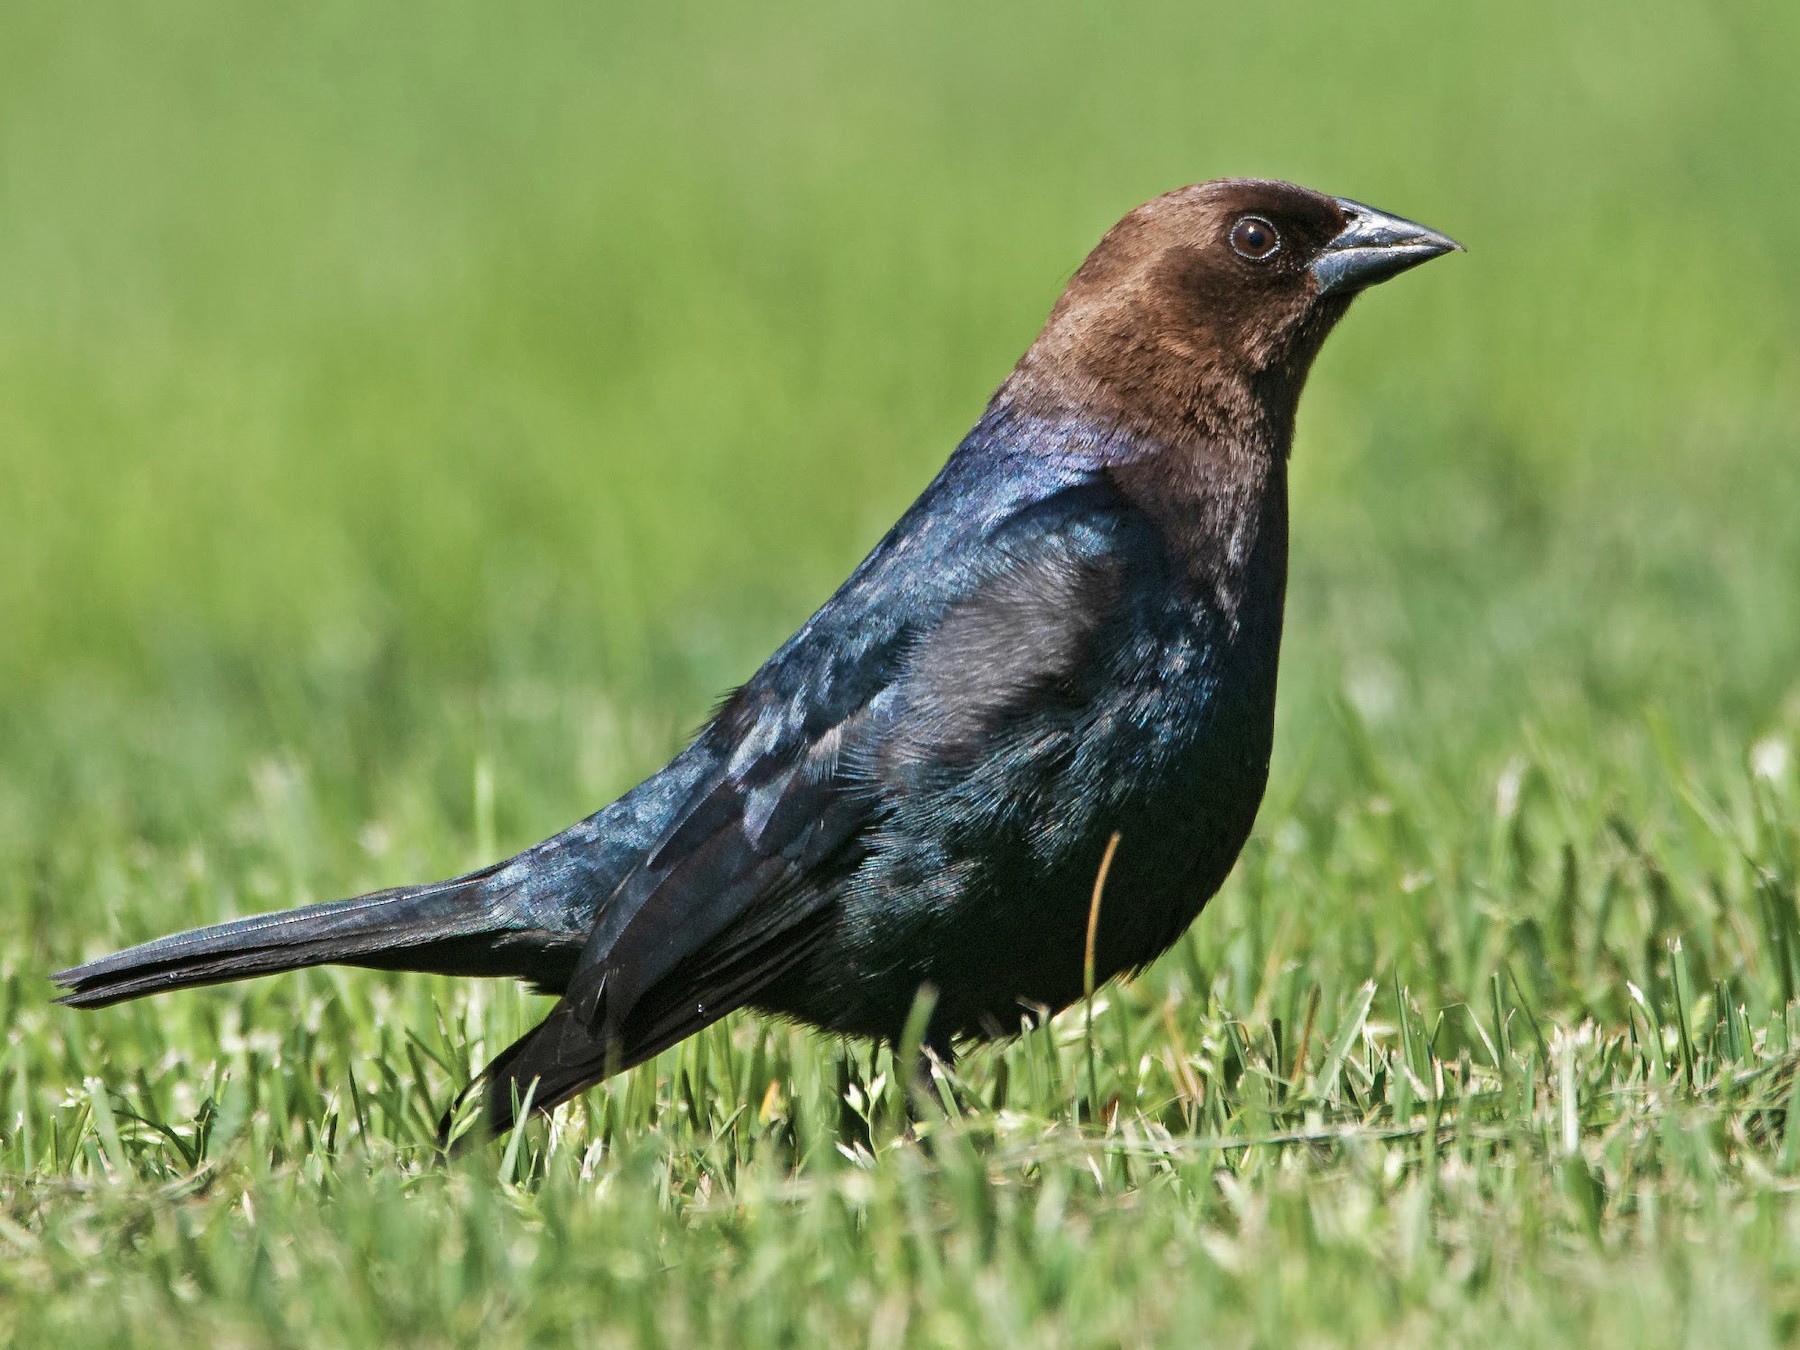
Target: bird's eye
(1254, 238)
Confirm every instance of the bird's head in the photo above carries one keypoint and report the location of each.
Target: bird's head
(1201, 311)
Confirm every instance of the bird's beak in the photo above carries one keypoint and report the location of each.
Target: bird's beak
(1374, 246)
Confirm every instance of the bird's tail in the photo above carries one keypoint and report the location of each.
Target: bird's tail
(471, 925)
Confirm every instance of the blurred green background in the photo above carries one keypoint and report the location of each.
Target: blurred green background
(413, 416)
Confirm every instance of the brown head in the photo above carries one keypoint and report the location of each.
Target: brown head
(1199, 314)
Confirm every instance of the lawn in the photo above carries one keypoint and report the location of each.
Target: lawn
(413, 416)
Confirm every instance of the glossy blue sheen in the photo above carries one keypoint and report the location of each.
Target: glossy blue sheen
(975, 875)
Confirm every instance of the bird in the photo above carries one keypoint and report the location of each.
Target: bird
(1064, 651)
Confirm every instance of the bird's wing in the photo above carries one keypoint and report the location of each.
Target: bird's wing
(910, 662)
(712, 915)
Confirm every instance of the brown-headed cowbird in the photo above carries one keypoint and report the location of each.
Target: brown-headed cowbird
(1073, 632)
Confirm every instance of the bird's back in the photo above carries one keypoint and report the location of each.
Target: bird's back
(1111, 681)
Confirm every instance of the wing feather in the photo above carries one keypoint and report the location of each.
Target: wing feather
(740, 885)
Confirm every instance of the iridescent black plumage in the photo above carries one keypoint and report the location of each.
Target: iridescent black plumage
(1073, 632)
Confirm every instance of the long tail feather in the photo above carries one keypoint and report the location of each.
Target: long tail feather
(466, 926)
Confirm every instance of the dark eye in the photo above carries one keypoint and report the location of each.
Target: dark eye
(1254, 238)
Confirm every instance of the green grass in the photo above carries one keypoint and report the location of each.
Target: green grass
(412, 416)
